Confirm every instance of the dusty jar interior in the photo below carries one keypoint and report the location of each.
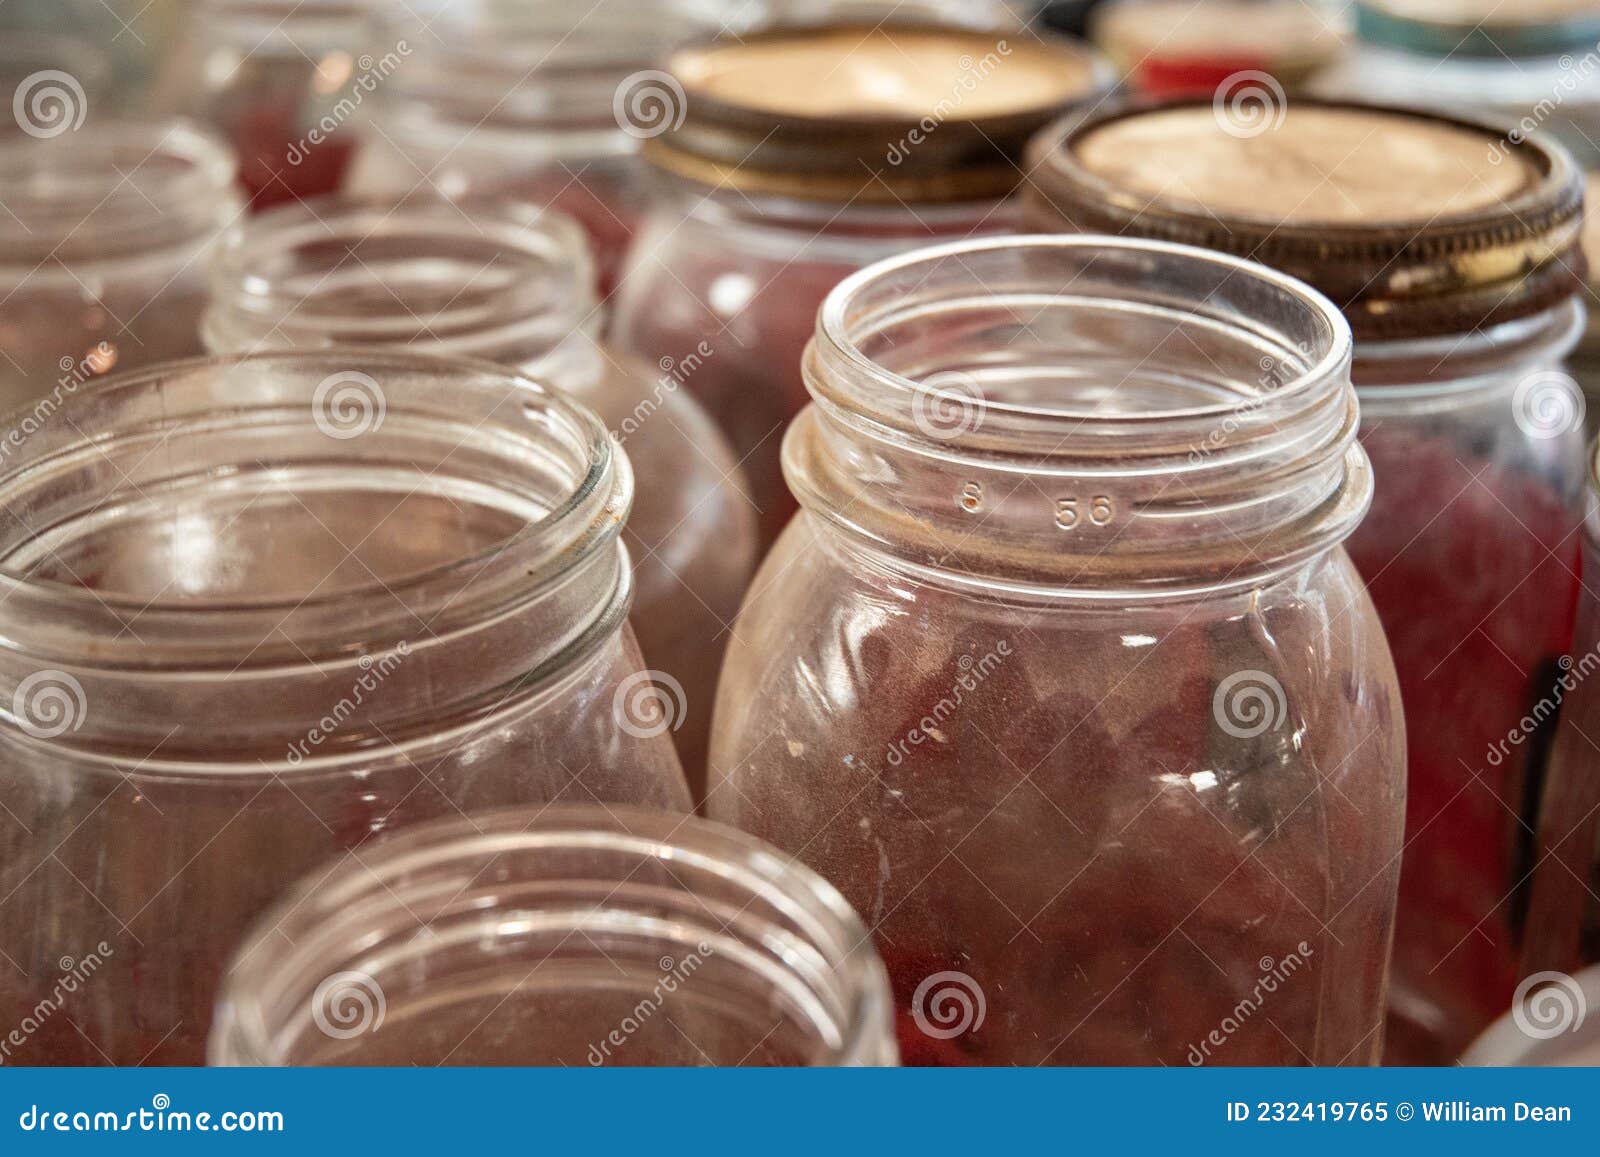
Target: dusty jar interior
(567, 936)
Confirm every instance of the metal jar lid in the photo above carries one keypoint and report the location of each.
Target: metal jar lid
(1491, 29)
(1417, 224)
(867, 114)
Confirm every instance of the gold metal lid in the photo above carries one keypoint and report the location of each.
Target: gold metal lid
(915, 113)
(1415, 223)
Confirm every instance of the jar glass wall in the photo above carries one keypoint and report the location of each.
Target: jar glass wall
(103, 247)
(1062, 676)
(564, 936)
(287, 603)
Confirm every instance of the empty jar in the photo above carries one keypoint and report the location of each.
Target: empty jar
(515, 286)
(1062, 675)
(257, 611)
(564, 936)
(103, 244)
(1458, 275)
(800, 156)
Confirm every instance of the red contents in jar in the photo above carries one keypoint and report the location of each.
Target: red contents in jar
(1191, 75)
(276, 165)
(1473, 569)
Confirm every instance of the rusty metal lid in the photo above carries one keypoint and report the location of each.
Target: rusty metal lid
(1417, 224)
(874, 114)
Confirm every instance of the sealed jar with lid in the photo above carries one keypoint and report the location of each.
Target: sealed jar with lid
(515, 285)
(1458, 276)
(257, 611)
(801, 156)
(281, 79)
(559, 936)
(1062, 676)
(103, 243)
(1532, 62)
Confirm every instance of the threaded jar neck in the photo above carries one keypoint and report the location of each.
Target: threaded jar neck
(1082, 414)
(587, 936)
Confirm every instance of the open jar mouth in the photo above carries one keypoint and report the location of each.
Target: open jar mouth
(565, 923)
(508, 282)
(1069, 409)
(109, 190)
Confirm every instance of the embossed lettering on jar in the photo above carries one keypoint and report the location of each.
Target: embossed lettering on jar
(257, 611)
(1062, 675)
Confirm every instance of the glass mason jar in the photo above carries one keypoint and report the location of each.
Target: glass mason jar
(1585, 360)
(103, 244)
(1458, 277)
(1061, 674)
(535, 102)
(790, 170)
(564, 936)
(514, 285)
(279, 79)
(257, 611)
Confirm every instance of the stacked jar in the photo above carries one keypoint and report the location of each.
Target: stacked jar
(799, 156)
(1458, 273)
(257, 611)
(516, 286)
(1062, 675)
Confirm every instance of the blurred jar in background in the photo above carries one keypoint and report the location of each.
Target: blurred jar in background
(1061, 674)
(566, 936)
(543, 102)
(514, 285)
(1585, 360)
(1459, 279)
(1552, 1024)
(286, 603)
(800, 156)
(103, 244)
(280, 79)
(51, 80)
(1535, 63)
(1181, 47)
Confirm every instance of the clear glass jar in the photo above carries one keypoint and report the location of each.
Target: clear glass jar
(279, 79)
(565, 936)
(1457, 274)
(513, 285)
(1062, 676)
(103, 245)
(787, 173)
(283, 604)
